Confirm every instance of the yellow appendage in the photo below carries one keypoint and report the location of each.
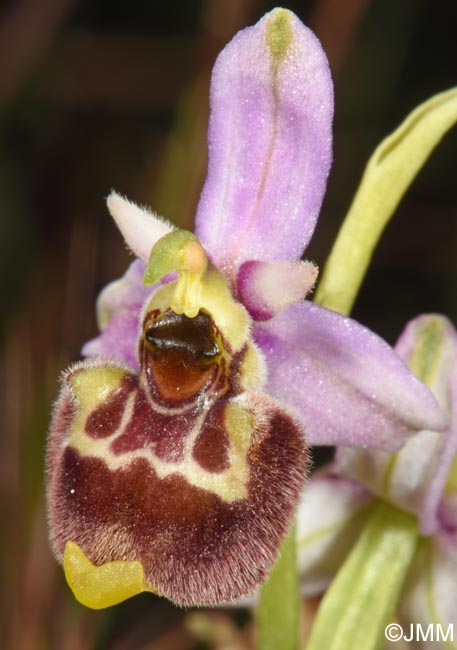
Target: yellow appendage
(101, 586)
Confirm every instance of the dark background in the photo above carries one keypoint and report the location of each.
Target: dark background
(109, 94)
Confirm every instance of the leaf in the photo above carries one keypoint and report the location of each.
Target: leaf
(278, 609)
(362, 597)
(388, 174)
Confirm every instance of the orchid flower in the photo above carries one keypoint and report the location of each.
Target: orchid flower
(178, 449)
(420, 479)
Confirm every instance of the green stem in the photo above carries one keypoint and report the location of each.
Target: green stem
(362, 598)
(277, 614)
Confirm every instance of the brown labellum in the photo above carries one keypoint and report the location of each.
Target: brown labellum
(178, 468)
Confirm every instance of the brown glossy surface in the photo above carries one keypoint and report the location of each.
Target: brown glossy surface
(180, 355)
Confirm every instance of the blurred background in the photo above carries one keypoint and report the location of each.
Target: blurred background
(103, 94)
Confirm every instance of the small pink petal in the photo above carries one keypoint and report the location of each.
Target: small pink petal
(119, 339)
(139, 227)
(266, 288)
(270, 144)
(119, 308)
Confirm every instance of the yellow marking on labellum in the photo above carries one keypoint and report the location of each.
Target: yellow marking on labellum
(78, 438)
(240, 424)
(230, 485)
(253, 371)
(93, 385)
(102, 586)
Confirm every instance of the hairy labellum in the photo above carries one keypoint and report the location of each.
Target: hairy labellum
(184, 468)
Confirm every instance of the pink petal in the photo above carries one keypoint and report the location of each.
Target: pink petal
(265, 288)
(119, 309)
(347, 384)
(127, 292)
(118, 340)
(414, 478)
(269, 144)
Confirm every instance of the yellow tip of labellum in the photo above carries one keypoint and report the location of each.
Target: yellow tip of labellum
(101, 586)
(180, 251)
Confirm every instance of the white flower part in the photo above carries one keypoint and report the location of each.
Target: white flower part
(430, 594)
(140, 228)
(329, 518)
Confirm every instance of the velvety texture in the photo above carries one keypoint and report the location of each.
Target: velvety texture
(199, 484)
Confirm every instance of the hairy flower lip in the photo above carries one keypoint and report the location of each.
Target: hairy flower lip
(220, 515)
